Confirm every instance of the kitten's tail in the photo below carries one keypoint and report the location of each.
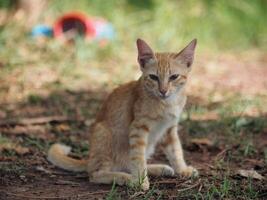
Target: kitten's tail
(57, 154)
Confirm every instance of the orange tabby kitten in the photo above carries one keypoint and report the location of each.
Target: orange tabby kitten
(135, 117)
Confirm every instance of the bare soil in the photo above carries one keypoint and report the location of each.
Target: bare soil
(28, 175)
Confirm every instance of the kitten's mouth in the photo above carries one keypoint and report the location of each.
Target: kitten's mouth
(164, 96)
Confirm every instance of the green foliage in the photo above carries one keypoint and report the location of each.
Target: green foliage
(34, 99)
(221, 191)
(3, 139)
(228, 189)
(6, 152)
(40, 144)
(152, 193)
(113, 194)
(222, 24)
(17, 168)
(81, 149)
(7, 3)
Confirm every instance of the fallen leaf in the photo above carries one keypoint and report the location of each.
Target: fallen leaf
(203, 117)
(42, 169)
(36, 131)
(202, 141)
(27, 130)
(17, 148)
(63, 127)
(250, 173)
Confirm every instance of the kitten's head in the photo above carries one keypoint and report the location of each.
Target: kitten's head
(165, 74)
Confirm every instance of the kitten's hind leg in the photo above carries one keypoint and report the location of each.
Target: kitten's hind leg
(108, 177)
(159, 170)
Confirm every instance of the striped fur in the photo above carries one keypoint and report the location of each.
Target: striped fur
(133, 119)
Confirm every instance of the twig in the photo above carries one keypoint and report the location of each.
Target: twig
(165, 182)
(30, 121)
(62, 182)
(200, 188)
(31, 197)
(189, 188)
(93, 193)
(60, 197)
(222, 152)
(136, 194)
(42, 169)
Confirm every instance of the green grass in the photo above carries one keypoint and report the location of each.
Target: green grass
(113, 194)
(221, 191)
(57, 77)
(13, 169)
(218, 24)
(4, 139)
(168, 25)
(228, 188)
(153, 194)
(6, 152)
(134, 192)
(40, 144)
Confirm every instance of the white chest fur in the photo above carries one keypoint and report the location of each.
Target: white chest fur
(170, 117)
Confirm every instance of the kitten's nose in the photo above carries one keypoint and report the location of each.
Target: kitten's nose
(163, 92)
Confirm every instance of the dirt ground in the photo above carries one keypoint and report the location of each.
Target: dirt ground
(215, 144)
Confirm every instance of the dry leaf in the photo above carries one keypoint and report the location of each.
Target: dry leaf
(63, 127)
(250, 173)
(42, 169)
(17, 148)
(29, 130)
(208, 116)
(202, 141)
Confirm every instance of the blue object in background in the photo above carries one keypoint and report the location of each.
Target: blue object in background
(104, 30)
(42, 30)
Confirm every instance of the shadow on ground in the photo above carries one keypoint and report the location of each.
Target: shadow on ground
(217, 145)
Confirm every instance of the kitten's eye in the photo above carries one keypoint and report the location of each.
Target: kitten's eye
(173, 77)
(153, 77)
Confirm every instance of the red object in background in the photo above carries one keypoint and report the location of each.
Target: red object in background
(72, 24)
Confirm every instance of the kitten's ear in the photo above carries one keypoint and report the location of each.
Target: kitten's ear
(187, 54)
(145, 53)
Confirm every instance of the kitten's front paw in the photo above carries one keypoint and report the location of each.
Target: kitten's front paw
(141, 184)
(145, 185)
(188, 171)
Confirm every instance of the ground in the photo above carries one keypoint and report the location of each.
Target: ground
(50, 92)
(223, 130)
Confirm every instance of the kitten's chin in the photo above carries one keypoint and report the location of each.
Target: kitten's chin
(164, 97)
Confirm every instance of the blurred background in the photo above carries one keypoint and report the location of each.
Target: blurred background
(231, 42)
(54, 75)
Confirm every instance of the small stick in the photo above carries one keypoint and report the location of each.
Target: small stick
(62, 182)
(60, 197)
(93, 193)
(30, 121)
(189, 188)
(166, 182)
(136, 195)
(222, 152)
